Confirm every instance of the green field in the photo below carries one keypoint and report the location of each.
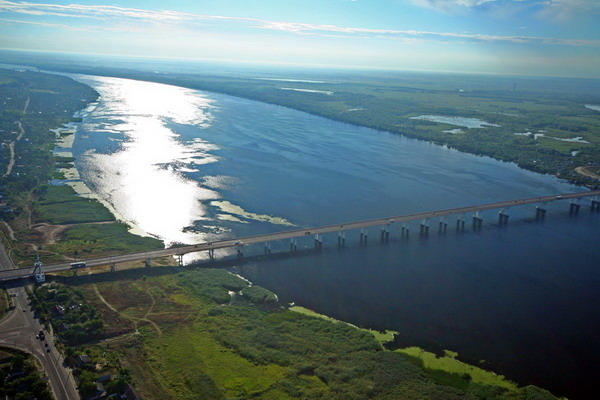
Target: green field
(61, 205)
(191, 344)
(93, 240)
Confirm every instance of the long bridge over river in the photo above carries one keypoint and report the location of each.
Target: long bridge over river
(438, 218)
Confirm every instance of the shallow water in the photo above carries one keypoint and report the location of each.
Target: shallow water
(189, 166)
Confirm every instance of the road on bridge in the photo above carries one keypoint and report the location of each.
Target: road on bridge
(229, 243)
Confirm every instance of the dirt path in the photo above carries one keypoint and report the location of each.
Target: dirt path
(9, 230)
(135, 320)
(586, 172)
(11, 146)
(51, 233)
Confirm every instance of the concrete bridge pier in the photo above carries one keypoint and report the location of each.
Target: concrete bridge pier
(341, 239)
(148, 262)
(363, 237)
(240, 251)
(540, 213)
(574, 208)
(460, 224)
(443, 226)
(477, 221)
(211, 254)
(318, 242)
(503, 217)
(113, 267)
(404, 232)
(267, 248)
(179, 260)
(595, 205)
(293, 246)
(424, 228)
(385, 234)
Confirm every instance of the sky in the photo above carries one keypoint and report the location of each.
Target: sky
(526, 37)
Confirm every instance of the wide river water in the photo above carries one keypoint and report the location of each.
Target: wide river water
(189, 166)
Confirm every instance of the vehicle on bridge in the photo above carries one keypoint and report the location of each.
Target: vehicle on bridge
(78, 264)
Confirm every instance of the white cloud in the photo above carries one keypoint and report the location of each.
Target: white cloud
(114, 15)
(567, 9)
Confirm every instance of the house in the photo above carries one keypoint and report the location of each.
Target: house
(82, 359)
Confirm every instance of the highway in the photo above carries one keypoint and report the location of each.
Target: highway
(237, 242)
(18, 330)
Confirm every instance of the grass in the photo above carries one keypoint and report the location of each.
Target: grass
(191, 346)
(4, 303)
(449, 363)
(98, 239)
(381, 337)
(190, 361)
(61, 205)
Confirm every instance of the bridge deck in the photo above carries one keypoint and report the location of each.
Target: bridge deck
(94, 262)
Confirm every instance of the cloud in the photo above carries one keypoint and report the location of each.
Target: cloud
(448, 5)
(568, 9)
(114, 14)
(555, 9)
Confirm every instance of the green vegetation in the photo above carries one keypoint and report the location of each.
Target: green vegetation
(19, 377)
(35, 102)
(41, 214)
(90, 240)
(77, 324)
(64, 307)
(193, 345)
(259, 295)
(450, 364)
(61, 205)
(381, 337)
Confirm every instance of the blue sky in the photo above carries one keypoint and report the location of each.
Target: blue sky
(533, 37)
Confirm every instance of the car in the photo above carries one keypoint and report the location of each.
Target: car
(78, 264)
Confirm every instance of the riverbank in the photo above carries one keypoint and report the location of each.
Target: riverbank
(397, 104)
(179, 336)
(55, 215)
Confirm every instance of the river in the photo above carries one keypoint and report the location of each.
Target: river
(188, 166)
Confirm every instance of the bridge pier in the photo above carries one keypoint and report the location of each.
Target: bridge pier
(293, 246)
(148, 262)
(240, 252)
(267, 248)
(460, 224)
(341, 239)
(442, 227)
(211, 254)
(595, 206)
(318, 242)
(477, 221)
(502, 218)
(385, 235)
(424, 228)
(404, 231)
(574, 208)
(180, 260)
(363, 237)
(540, 213)
(113, 267)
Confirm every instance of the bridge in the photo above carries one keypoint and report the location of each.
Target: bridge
(425, 218)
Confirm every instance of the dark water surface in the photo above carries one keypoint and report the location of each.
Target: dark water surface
(189, 166)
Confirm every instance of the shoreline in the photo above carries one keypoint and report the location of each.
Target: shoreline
(66, 136)
(162, 80)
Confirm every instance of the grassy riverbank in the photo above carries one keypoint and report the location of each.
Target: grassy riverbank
(182, 335)
(53, 221)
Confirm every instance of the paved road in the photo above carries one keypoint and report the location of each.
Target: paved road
(26, 272)
(18, 331)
